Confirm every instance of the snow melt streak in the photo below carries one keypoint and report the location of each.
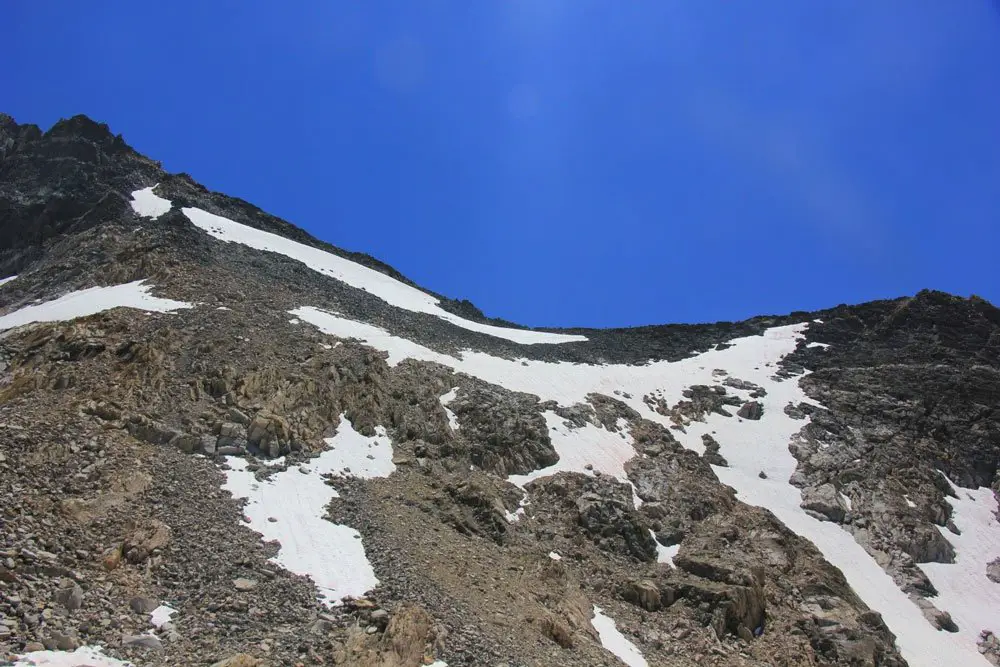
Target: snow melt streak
(89, 302)
(613, 640)
(331, 554)
(384, 287)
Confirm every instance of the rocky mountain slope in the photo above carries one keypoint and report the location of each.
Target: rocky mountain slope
(223, 441)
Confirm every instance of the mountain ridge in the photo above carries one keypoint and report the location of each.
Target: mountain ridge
(82, 126)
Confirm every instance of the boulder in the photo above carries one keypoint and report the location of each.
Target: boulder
(825, 501)
(751, 410)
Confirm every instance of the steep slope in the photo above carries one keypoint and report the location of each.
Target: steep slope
(217, 427)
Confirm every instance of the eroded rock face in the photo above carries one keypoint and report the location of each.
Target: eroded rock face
(506, 431)
(602, 507)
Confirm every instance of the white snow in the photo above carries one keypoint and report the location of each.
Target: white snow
(149, 205)
(331, 554)
(665, 554)
(89, 302)
(578, 448)
(554, 556)
(85, 656)
(964, 590)
(750, 446)
(379, 284)
(909, 503)
(821, 345)
(445, 400)
(4, 281)
(515, 516)
(161, 615)
(613, 640)
(362, 456)
(846, 501)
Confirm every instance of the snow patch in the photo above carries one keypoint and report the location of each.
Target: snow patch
(161, 615)
(445, 400)
(554, 556)
(91, 301)
(85, 656)
(909, 503)
(354, 455)
(149, 205)
(846, 501)
(820, 345)
(665, 554)
(964, 590)
(4, 281)
(331, 554)
(613, 640)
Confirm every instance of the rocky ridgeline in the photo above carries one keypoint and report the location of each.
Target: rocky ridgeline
(116, 430)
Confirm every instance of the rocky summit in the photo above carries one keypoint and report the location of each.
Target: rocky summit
(226, 442)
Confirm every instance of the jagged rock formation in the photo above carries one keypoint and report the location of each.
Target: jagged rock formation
(504, 512)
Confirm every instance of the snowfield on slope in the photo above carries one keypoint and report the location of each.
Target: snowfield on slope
(964, 590)
(291, 505)
(390, 290)
(750, 446)
(85, 656)
(91, 301)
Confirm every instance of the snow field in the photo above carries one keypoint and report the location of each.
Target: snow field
(964, 590)
(296, 499)
(91, 301)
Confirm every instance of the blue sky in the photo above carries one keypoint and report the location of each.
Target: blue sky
(568, 162)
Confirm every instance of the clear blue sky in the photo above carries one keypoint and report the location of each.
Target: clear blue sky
(561, 162)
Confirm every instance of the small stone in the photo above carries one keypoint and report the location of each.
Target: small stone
(320, 627)
(141, 605)
(70, 596)
(244, 585)
(142, 641)
(60, 642)
(31, 647)
(380, 617)
(762, 474)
